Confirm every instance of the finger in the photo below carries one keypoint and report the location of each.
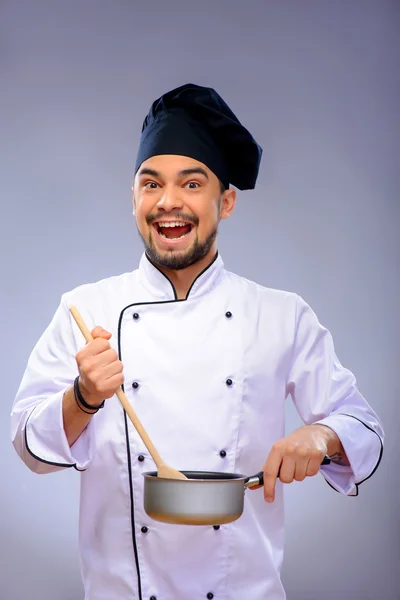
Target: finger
(100, 332)
(302, 460)
(288, 467)
(95, 347)
(105, 388)
(112, 369)
(314, 463)
(103, 359)
(90, 364)
(271, 470)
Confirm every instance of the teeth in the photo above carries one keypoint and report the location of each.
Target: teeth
(178, 238)
(172, 224)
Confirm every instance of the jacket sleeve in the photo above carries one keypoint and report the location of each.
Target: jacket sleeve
(37, 429)
(325, 392)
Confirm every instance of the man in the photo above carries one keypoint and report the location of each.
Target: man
(207, 359)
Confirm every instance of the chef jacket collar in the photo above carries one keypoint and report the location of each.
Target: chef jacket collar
(162, 288)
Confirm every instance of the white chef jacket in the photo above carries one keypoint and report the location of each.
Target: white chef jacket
(178, 357)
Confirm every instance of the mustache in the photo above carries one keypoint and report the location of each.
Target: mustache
(176, 216)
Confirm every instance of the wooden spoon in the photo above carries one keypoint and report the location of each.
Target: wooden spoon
(163, 469)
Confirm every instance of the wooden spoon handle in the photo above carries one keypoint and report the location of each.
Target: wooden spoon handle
(121, 396)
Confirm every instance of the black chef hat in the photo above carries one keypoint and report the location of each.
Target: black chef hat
(194, 121)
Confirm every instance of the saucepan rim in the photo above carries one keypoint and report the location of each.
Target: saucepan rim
(201, 476)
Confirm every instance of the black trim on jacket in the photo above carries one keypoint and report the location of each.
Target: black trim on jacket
(379, 458)
(176, 299)
(47, 462)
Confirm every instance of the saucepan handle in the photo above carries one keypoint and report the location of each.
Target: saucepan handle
(258, 479)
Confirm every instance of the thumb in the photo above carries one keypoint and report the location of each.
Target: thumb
(99, 332)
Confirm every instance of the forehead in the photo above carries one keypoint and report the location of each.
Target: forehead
(171, 164)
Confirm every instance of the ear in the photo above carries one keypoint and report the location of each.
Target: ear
(228, 202)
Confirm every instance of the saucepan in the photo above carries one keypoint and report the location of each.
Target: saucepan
(204, 498)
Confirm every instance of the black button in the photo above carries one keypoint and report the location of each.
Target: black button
(135, 385)
(144, 529)
(140, 458)
(222, 454)
(153, 598)
(229, 382)
(216, 527)
(135, 316)
(210, 595)
(228, 314)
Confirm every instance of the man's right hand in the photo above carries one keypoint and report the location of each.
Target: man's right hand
(100, 370)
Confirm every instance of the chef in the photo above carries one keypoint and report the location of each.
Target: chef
(207, 360)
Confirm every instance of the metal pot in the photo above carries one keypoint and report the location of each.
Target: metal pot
(205, 498)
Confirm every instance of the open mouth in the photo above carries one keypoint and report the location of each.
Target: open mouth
(173, 230)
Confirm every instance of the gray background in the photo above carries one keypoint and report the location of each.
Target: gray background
(317, 84)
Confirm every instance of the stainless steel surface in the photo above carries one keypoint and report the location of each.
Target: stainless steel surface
(203, 499)
(253, 481)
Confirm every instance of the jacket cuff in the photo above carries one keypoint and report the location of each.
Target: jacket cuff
(46, 441)
(363, 447)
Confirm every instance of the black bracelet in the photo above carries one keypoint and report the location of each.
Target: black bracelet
(80, 399)
(91, 412)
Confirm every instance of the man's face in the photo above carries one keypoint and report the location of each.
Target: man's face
(178, 204)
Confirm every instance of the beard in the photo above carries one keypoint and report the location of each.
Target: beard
(178, 260)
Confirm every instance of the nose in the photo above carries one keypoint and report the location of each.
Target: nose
(170, 199)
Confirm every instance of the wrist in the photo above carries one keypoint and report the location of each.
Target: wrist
(88, 404)
(89, 398)
(330, 437)
(334, 447)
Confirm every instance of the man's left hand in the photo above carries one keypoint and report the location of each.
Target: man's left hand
(299, 455)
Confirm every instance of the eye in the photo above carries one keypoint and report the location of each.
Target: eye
(152, 185)
(193, 185)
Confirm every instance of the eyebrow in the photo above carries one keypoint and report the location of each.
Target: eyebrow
(183, 173)
(146, 171)
(193, 171)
